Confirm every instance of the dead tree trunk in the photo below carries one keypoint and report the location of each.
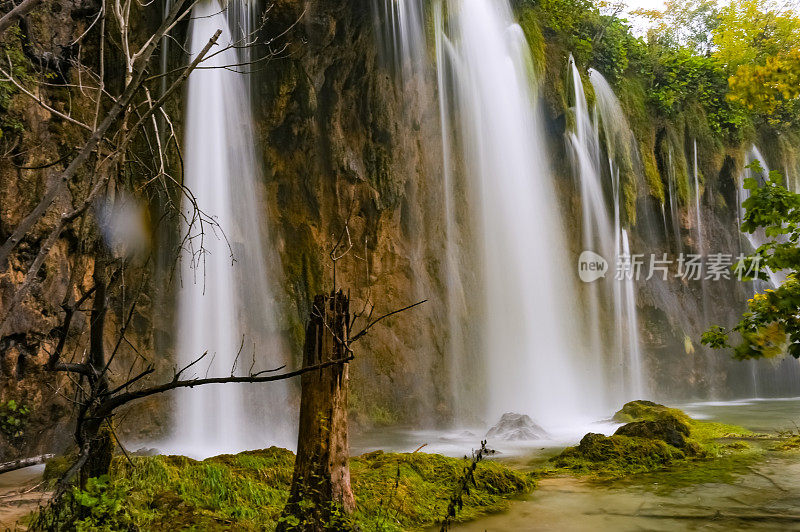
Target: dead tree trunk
(96, 431)
(320, 495)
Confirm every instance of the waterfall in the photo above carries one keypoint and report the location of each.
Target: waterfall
(701, 248)
(460, 378)
(635, 373)
(598, 234)
(611, 299)
(672, 196)
(402, 36)
(225, 304)
(535, 361)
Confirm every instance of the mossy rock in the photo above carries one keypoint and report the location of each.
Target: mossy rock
(617, 455)
(701, 431)
(57, 467)
(654, 436)
(642, 410)
(669, 429)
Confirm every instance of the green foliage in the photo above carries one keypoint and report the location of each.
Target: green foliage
(729, 66)
(103, 503)
(683, 23)
(11, 49)
(101, 507)
(13, 418)
(791, 443)
(771, 325)
(758, 45)
(248, 491)
(749, 31)
(678, 77)
(596, 39)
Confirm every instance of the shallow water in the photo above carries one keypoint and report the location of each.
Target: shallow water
(736, 496)
(760, 415)
(750, 502)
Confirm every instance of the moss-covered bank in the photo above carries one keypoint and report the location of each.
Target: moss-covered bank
(247, 491)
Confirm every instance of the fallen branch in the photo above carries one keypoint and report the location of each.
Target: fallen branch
(24, 462)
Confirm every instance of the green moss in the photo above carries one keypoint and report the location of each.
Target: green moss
(789, 444)
(533, 34)
(654, 437)
(408, 491)
(645, 411)
(247, 491)
(702, 431)
(652, 177)
(56, 467)
(381, 416)
(617, 456)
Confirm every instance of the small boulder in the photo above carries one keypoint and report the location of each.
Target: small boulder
(646, 411)
(516, 427)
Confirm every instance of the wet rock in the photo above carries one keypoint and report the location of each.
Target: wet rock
(146, 451)
(516, 427)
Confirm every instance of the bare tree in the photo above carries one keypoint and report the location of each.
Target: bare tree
(320, 496)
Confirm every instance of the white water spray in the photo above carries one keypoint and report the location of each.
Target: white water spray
(225, 304)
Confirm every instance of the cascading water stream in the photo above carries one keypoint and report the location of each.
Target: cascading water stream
(403, 36)
(597, 231)
(621, 349)
(701, 248)
(225, 303)
(635, 374)
(672, 196)
(535, 362)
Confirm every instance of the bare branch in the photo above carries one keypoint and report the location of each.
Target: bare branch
(19, 11)
(116, 401)
(363, 331)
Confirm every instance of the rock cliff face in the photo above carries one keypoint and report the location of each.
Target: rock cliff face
(343, 140)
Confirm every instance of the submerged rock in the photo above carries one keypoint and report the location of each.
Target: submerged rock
(516, 427)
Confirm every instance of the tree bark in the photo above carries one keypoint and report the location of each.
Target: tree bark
(97, 431)
(321, 496)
